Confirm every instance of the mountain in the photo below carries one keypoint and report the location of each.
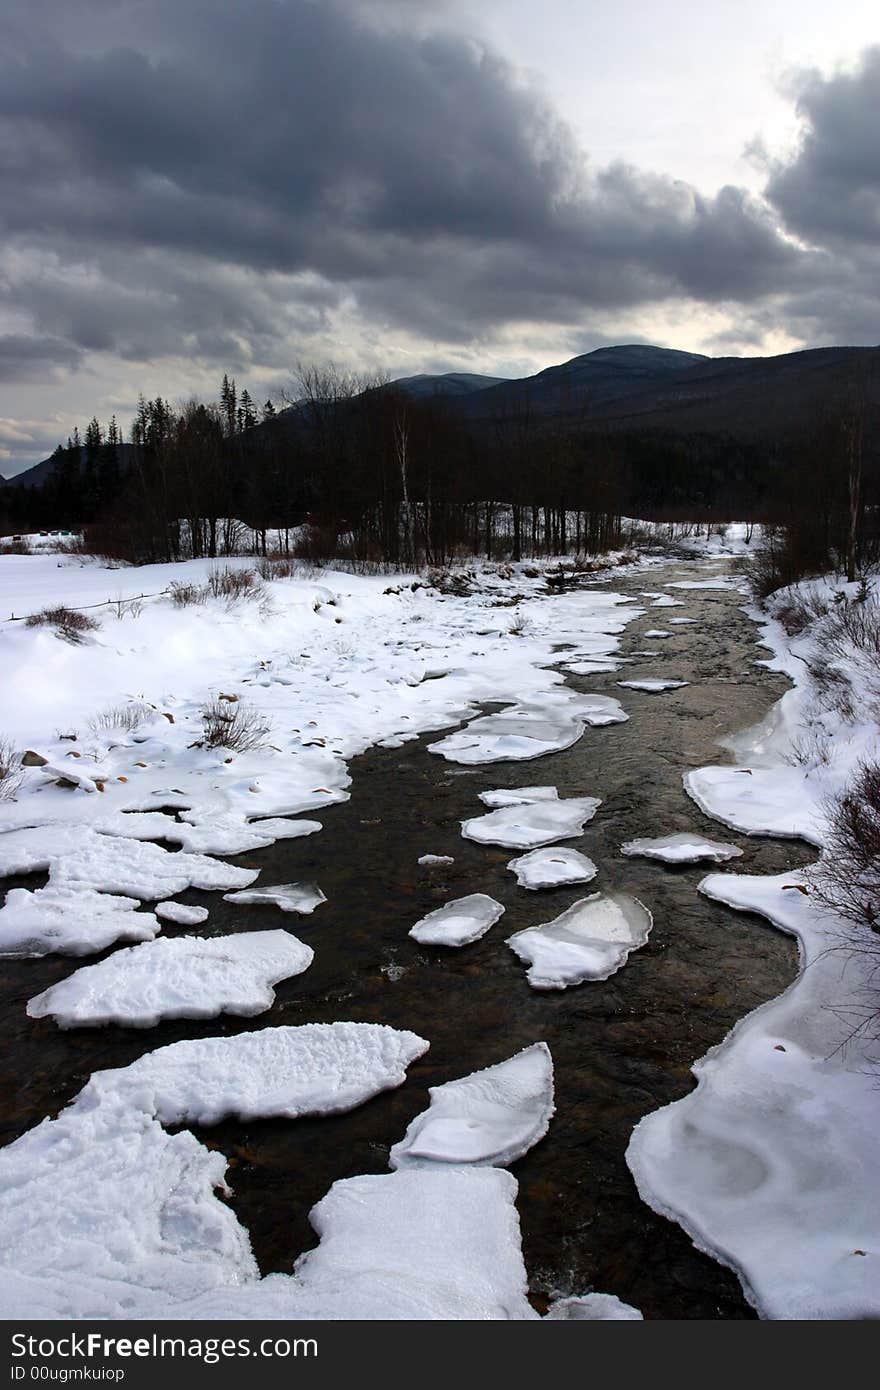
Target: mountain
(449, 384)
(37, 475)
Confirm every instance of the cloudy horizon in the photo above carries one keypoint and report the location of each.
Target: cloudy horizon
(420, 186)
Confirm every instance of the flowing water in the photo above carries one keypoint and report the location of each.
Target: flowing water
(620, 1048)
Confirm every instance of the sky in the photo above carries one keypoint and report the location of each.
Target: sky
(402, 186)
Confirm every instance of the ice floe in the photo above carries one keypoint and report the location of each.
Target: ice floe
(517, 796)
(77, 856)
(656, 632)
(301, 898)
(518, 733)
(760, 801)
(552, 868)
(428, 860)
(667, 601)
(181, 913)
(70, 921)
(459, 922)
(176, 977)
(653, 687)
(529, 825)
(593, 1307)
(680, 622)
(688, 847)
(492, 1116)
(590, 941)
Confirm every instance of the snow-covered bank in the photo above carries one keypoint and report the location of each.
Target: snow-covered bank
(773, 1163)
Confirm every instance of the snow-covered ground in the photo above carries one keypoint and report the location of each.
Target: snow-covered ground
(772, 1163)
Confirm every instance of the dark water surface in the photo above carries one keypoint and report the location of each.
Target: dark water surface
(620, 1048)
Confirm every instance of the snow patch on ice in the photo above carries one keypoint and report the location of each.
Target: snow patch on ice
(529, 825)
(459, 922)
(653, 687)
(552, 868)
(70, 921)
(181, 913)
(301, 898)
(688, 847)
(590, 941)
(593, 1307)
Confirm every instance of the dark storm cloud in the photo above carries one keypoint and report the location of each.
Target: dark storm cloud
(416, 173)
(830, 190)
(24, 358)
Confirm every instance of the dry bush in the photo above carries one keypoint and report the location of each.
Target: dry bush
(786, 555)
(233, 584)
(15, 545)
(276, 567)
(238, 727)
(847, 877)
(67, 622)
(11, 773)
(126, 607)
(186, 595)
(121, 718)
(797, 609)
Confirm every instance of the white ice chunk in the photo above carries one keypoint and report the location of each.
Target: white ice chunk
(221, 833)
(598, 710)
(493, 1116)
(656, 632)
(71, 921)
(302, 898)
(528, 826)
(680, 622)
(588, 942)
(667, 601)
(312, 1069)
(594, 1307)
(518, 796)
(688, 847)
(429, 859)
(653, 687)
(176, 977)
(518, 733)
(76, 856)
(552, 868)
(458, 923)
(760, 801)
(181, 913)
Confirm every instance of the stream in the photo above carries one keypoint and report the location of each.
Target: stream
(620, 1048)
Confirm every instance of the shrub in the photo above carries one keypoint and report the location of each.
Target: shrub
(786, 555)
(847, 877)
(238, 727)
(185, 595)
(11, 773)
(121, 718)
(233, 584)
(67, 622)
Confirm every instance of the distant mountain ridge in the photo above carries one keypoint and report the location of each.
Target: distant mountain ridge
(636, 386)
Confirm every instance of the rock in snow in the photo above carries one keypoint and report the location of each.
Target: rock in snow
(685, 848)
(176, 977)
(588, 942)
(458, 923)
(492, 1116)
(302, 898)
(530, 825)
(552, 868)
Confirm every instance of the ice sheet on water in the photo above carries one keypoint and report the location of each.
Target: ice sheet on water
(176, 977)
(667, 601)
(71, 921)
(428, 860)
(688, 847)
(590, 941)
(653, 687)
(552, 868)
(226, 833)
(301, 898)
(313, 1068)
(760, 801)
(593, 1307)
(527, 826)
(459, 922)
(493, 1116)
(517, 796)
(77, 856)
(518, 733)
(599, 710)
(181, 913)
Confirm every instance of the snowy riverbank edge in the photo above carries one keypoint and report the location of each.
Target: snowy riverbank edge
(771, 1163)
